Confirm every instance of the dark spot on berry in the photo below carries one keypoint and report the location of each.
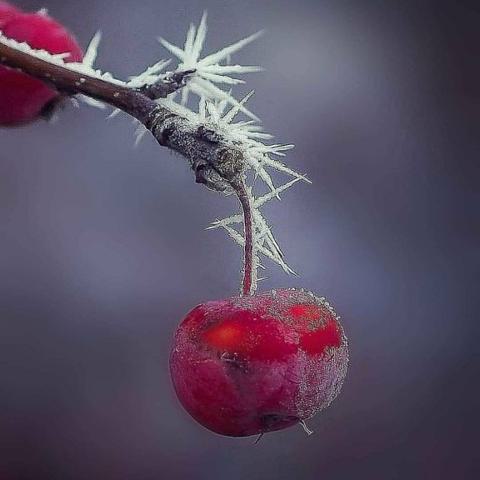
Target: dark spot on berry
(235, 362)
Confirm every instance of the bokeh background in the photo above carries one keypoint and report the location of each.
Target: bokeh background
(103, 248)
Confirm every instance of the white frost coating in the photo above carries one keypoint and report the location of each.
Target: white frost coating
(264, 241)
(92, 50)
(58, 59)
(150, 76)
(246, 135)
(86, 67)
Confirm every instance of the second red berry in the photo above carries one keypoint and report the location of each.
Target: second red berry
(7, 12)
(23, 98)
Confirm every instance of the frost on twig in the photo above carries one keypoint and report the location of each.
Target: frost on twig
(248, 135)
(86, 67)
(208, 70)
(222, 150)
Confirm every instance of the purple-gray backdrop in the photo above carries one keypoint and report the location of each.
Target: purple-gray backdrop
(103, 248)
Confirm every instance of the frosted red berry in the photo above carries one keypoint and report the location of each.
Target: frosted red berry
(23, 98)
(255, 364)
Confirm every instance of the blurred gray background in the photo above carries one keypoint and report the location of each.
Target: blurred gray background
(103, 248)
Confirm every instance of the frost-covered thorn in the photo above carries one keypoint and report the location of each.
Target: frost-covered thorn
(241, 241)
(257, 203)
(260, 201)
(265, 240)
(92, 50)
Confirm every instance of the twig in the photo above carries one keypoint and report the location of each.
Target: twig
(216, 163)
(137, 102)
(70, 82)
(214, 160)
(164, 87)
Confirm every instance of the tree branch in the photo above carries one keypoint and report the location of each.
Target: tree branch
(216, 162)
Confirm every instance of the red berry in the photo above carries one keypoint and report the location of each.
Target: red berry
(22, 98)
(255, 364)
(7, 12)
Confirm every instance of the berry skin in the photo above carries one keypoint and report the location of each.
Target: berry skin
(23, 98)
(7, 12)
(255, 364)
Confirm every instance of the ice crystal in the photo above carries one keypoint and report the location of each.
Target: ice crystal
(87, 65)
(150, 76)
(247, 136)
(208, 70)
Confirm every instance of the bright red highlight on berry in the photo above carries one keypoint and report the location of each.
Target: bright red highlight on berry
(310, 312)
(228, 337)
(255, 364)
(318, 341)
(239, 335)
(23, 98)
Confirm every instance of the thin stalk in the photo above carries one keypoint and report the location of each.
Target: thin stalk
(248, 287)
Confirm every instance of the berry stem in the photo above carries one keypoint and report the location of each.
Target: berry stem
(248, 287)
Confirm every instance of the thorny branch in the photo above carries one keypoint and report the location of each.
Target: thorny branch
(218, 150)
(215, 165)
(131, 101)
